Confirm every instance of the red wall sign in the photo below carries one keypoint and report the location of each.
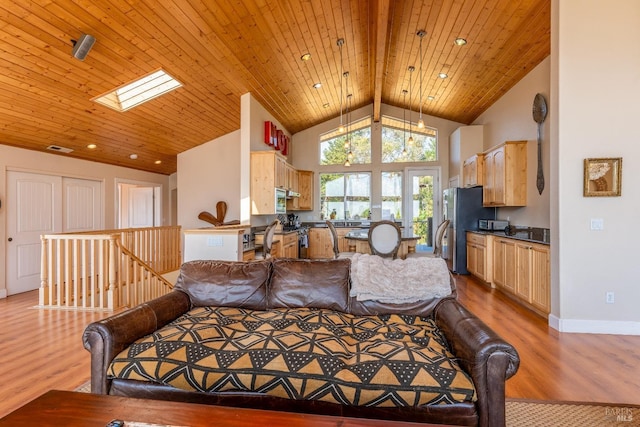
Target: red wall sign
(275, 138)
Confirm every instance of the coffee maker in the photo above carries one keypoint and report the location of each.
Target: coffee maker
(292, 221)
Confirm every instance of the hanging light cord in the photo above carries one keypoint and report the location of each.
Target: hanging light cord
(340, 43)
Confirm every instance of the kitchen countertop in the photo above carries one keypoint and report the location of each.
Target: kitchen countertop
(528, 234)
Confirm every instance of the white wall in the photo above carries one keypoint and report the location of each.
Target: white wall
(511, 119)
(306, 153)
(207, 174)
(12, 158)
(596, 85)
(219, 170)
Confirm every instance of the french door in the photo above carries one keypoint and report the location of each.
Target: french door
(422, 196)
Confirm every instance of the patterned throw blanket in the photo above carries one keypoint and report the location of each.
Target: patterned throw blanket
(302, 353)
(398, 281)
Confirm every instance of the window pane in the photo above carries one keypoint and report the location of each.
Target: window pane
(391, 195)
(349, 195)
(334, 146)
(396, 136)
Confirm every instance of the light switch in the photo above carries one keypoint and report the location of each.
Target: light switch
(597, 224)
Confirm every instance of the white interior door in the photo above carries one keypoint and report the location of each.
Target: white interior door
(422, 198)
(141, 207)
(82, 205)
(33, 208)
(45, 204)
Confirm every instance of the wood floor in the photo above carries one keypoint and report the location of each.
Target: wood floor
(42, 350)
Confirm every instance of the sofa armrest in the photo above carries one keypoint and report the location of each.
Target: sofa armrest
(486, 357)
(106, 338)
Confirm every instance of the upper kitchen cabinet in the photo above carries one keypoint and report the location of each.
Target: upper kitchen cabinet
(464, 142)
(505, 175)
(473, 171)
(269, 170)
(305, 188)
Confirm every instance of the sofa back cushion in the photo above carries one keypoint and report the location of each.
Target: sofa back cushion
(226, 283)
(310, 283)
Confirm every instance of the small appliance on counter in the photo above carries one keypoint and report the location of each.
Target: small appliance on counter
(492, 224)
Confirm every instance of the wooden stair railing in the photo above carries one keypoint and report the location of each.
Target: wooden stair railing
(107, 270)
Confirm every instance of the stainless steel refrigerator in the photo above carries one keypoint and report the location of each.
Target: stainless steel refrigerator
(463, 207)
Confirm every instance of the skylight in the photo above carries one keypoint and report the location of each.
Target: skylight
(139, 91)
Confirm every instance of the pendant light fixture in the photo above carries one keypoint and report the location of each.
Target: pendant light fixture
(340, 42)
(411, 70)
(404, 125)
(346, 89)
(421, 34)
(349, 137)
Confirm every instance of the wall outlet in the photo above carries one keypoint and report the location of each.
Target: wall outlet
(610, 297)
(597, 224)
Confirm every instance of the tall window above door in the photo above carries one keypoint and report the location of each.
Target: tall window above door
(395, 140)
(391, 195)
(345, 195)
(334, 145)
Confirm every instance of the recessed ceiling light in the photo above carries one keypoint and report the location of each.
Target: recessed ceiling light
(326, 105)
(431, 97)
(157, 162)
(317, 85)
(139, 91)
(91, 146)
(133, 156)
(306, 57)
(460, 41)
(443, 75)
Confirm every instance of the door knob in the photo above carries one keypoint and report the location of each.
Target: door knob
(11, 239)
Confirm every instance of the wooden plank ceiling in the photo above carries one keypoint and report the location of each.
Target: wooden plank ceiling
(220, 50)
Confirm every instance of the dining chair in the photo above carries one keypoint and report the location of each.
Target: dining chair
(437, 243)
(268, 240)
(385, 238)
(334, 242)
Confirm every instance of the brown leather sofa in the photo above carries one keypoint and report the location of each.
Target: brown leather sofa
(284, 284)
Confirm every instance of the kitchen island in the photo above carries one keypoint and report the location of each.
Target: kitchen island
(359, 241)
(220, 243)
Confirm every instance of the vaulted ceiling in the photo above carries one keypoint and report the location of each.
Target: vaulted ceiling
(220, 50)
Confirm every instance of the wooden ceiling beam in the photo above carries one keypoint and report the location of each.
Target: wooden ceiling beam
(379, 34)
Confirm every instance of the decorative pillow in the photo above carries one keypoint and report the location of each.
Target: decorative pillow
(226, 283)
(310, 283)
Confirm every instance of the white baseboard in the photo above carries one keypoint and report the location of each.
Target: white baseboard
(614, 327)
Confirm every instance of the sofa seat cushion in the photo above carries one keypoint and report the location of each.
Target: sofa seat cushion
(301, 353)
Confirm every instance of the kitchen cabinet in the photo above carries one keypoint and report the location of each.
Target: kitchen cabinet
(505, 175)
(249, 255)
(473, 171)
(504, 264)
(305, 188)
(320, 243)
(464, 142)
(534, 276)
(477, 256)
(290, 245)
(269, 170)
(521, 269)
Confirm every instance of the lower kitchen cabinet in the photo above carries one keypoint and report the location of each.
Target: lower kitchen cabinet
(504, 264)
(521, 269)
(477, 256)
(290, 245)
(320, 243)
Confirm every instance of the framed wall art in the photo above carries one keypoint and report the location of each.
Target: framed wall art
(602, 177)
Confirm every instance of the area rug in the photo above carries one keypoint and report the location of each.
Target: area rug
(537, 413)
(540, 413)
